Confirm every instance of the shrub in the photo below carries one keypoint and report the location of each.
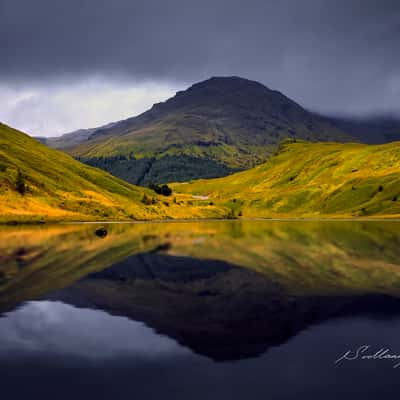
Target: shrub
(146, 200)
(164, 190)
(20, 183)
(231, 214)
(101, 232)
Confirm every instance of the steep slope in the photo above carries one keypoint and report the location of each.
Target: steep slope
(211, 129)
(311, 179)
(38, 183)
(372, 130)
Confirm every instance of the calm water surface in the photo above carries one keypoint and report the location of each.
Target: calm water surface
(205, 310)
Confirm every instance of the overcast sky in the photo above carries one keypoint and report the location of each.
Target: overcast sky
(75, 64)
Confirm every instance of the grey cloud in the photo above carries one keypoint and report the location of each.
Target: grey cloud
(329, 55)
(52, 109)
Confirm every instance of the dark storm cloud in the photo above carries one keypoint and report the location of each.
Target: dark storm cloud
(329, 55)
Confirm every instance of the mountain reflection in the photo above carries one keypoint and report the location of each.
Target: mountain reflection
(227, 290)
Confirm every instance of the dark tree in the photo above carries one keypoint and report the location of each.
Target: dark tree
(20, 183)
(164, 190)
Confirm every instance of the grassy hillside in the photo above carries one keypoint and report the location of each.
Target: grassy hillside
(311, 180)
(302, 179)
(38, 183)
(211, 129)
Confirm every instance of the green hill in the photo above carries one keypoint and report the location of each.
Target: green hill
(302, 179)
(212, 129)
(311, 180)
(38, 183)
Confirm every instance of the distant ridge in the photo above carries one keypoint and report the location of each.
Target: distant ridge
(70, 139)
(371, 130)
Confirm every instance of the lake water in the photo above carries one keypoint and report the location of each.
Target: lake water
(200, 310)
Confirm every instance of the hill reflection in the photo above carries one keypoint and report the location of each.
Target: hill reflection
(227, 290)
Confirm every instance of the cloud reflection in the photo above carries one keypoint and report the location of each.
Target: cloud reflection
(58, 328)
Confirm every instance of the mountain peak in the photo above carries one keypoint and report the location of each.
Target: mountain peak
(223, 93)
(225, 85)
(227, 82)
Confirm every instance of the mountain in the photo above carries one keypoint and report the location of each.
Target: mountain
(212, 129)
(41, 184)
(372, 130)
(310, 180)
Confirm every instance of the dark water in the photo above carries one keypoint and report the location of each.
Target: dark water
(211, 310)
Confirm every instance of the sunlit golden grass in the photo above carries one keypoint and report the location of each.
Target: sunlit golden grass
(301, 180)
(59, 188)
(312, 180)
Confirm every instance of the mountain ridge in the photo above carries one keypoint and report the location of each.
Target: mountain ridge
(376, 129)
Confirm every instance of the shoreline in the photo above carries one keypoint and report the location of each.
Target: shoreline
(159, 221)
